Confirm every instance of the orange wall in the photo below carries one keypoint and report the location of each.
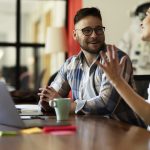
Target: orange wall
(73, 7)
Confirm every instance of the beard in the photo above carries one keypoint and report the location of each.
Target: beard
(91, 51)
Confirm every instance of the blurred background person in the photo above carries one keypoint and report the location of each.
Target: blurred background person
(131, 42)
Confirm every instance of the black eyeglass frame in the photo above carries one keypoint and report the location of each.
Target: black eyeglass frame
(92, 29)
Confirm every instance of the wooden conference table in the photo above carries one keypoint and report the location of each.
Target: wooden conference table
(93, 133)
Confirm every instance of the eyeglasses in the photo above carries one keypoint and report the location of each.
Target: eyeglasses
(87, 31)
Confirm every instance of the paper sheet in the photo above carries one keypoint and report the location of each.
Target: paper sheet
(29, 109)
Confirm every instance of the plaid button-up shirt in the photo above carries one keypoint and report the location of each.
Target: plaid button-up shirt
(100, 97)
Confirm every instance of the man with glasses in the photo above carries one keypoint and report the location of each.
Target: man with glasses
(92, 93)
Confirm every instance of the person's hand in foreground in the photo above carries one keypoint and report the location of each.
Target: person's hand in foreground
(111, 65)
(113, 69)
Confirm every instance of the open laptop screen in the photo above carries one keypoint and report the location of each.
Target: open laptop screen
(9, 115)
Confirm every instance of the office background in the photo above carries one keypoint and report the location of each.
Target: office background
(24, 61)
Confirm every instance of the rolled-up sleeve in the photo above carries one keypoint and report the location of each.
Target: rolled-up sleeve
(60, 83)
(80, 105)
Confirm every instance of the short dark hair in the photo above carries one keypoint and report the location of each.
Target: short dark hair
(84, 12)
(142, 8)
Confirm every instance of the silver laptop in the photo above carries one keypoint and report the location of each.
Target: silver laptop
(9, 115)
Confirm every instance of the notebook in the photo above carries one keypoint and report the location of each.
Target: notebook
(29, 110)
(10, 116)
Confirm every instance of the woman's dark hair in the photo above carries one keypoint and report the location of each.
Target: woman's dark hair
(84, 12)
(142, 8)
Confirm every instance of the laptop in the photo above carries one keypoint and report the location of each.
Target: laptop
(9, 115)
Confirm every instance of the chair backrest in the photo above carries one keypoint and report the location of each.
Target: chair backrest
(39, 79)
(51, 79)
(142, 83)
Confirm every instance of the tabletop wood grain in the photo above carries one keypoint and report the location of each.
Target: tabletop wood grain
(93, 133)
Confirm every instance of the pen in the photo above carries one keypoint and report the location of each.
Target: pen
(38, 117)
(34, 117)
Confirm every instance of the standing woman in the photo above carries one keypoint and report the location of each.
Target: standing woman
(112, 68)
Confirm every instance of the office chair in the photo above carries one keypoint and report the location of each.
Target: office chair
(51, 79)
(39, 80)
(142, 83)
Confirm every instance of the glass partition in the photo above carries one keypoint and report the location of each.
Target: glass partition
(8, 21)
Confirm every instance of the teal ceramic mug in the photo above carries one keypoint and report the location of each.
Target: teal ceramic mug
(62, 107)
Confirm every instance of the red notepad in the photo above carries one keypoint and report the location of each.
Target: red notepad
(59, 128)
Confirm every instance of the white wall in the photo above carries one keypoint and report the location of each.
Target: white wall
(58, 12)
(115, 14)
(8, 22)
